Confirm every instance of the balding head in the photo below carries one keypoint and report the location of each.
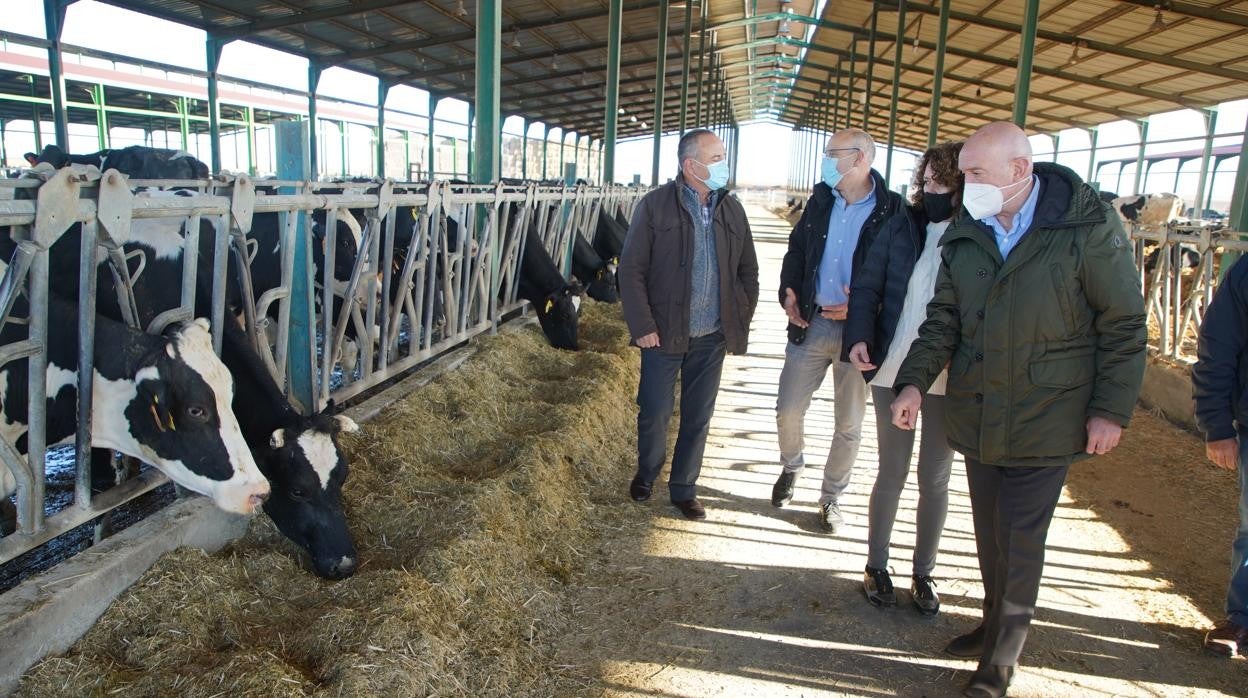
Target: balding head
(999, 154)
(854, 151)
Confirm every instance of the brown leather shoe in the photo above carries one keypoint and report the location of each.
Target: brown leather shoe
(1227, 639)
(691, 508)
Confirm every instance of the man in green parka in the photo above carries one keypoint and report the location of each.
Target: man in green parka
(1038, 314)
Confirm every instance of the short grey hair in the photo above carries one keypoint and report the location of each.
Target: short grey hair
(688, 146)
(860, 140)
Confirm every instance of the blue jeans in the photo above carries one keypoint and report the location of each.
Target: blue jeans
(699, 370)
(805, 366)
(1237, 593)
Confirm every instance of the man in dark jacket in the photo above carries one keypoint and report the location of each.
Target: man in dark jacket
(688, 283)
(826, 248)
(1220, 383)
(1039, 315)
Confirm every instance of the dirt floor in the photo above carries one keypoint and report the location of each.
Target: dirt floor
(501, 556)
(756, 601)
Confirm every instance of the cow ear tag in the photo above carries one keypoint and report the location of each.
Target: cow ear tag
(549, 305)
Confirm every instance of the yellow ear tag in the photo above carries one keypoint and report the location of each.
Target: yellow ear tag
(549, 304)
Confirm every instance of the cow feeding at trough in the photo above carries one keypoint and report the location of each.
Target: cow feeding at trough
(471, 503)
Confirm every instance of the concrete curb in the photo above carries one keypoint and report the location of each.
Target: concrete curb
(49, 612)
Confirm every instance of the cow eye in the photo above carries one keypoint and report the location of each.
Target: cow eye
(298, 493)
(197, 412)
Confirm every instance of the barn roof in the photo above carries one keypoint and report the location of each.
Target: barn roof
(1095, 60)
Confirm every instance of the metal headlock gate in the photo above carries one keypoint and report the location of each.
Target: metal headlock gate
(457, 278)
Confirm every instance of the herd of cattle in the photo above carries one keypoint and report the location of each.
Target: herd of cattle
(222, 426)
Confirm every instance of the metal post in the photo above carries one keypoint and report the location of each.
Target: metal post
(563, 163)
(1211, 124)
(433, 148)
(892, 107)
(342, 148)
(1139, 160)
(214, 47)
(1057, 144)
(736, 138)
(472, 118)
(101, 116)
(546, 148)
(54, 21)
(314, 79)
(524, 149)
(933, 126)
(250, 115)
(866, 104)
(1025, 54)
(684, 67)
(35, 122)
(702, 6)
(1239, 205)
(614, 26)
(383, 91)
(660, 85)
(1093, 132)
(184, 123)
(294, 163)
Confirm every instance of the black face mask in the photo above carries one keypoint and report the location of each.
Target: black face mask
(938, 207)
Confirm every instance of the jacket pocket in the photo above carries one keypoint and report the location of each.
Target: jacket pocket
(1065, 370)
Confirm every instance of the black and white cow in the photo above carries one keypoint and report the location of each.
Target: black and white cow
(162, 399)
(596, 273)
(136, 161)
(1148, 210)
(556, 301)
(609, 236)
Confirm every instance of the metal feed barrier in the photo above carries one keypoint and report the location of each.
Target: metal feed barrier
(447, 288)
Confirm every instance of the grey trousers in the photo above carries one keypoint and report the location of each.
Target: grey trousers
(935, 460)
(1012, 508)
(805, 366)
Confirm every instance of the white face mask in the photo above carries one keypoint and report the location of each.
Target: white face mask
(985, 200)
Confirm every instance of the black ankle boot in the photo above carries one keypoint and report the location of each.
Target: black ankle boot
(989, 681)
(969, 645)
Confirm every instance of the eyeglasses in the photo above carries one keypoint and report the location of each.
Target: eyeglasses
(829, 152)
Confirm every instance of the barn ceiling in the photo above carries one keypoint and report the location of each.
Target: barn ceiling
(1095, 60)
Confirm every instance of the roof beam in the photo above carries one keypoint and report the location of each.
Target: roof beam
(1112, 49)
(1199, 11)
(468, 35)
(353, 7)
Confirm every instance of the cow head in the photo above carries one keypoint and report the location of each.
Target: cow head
(307, 470)
(177, 416)
(604, 287)
(346, 248)
(559, 315)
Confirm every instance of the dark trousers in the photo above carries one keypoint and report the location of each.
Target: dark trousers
(699, 370)
(1012, 508)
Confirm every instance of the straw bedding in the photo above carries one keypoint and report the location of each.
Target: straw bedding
(471, 503)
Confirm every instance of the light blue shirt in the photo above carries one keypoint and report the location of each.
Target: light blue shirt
(1019, 226)
(837, 266)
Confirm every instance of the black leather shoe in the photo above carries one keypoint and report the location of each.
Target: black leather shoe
(691, 508)
(989, 681)
(782, 491)
(968, 645)
(639, 489)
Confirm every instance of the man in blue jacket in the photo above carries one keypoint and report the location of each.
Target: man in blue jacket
(1220, 383)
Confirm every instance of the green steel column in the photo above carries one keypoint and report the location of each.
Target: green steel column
(342, 147)
(1139, 159)
(36, 124)
(1239, 204)
(250, 115)
(866, 104)
(614, 25)
(1057, 144)
(489, 68)
(702, 7)
(684, 67)
(545, 149)
(898, 43)
(1092, 134)
(736, 140)
(407, 155)
(849, 82)
(1025, 54)
(1211, 125)
(383, 91)
(184, 122)
(314, 79)
(101, 116)
(54, 21)
(660, 85)
(524, 149)
(933, 126)
(432, 146)
(472, 117)
(214, 46)
(563, 163)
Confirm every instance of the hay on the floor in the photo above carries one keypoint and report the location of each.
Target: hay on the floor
(468, 500)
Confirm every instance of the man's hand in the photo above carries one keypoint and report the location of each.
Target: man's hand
(1224, 453)
(649, 341)
(837, 312)
(906, 408)
(790, 309)
(860, 357)
(1103, 435)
